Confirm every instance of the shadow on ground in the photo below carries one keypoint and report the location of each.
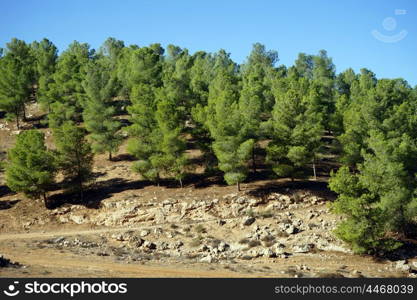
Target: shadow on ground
(5, 191)
(8, 204)
(288, 187)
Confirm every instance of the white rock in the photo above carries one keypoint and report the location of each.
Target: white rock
(268, 253)
(144, 232)
(77, 219)
(402, 266)
(207, 259)
(302, 248)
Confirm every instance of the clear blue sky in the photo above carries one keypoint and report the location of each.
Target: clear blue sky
(343, 28)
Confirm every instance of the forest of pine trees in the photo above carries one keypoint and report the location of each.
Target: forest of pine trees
(237, 115)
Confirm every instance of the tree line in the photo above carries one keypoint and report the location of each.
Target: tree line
(226, 109)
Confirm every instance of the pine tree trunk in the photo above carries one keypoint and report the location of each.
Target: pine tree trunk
(17, 118)
(45, 200)
(181, 183)
(81, 193)
(253, 160)
(110, 157)
(24, 112)
(314, 169)
(238, 186)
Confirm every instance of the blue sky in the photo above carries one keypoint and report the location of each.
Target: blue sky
(343, 28)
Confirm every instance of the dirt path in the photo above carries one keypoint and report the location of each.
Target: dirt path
(60, 264)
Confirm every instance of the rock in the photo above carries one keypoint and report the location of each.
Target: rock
(303, 268)
(291, 229)
(241, 200)
(413, 266)
(284, 255)
(221, 222)
(279, 248)
(236, 247)
(402, 265)
(203, 248)
(248, 221)
(207, 259)
(149, 245)
(303, 248)
(223, 246)
(177, 244)
(144, 233)
(118, 237)
(139, 242)
(332, 247)
(58, 240)
(254, 202)
(268, 253)
(255, 253)
(77, 219)
(162, 245)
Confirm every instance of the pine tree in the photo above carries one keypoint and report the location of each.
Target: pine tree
(156, 139)
(201, 74)
(31, 168)
(46, 55)
(143, 77)
(256, 99)
(172, 147)
(363, 228)
(75, 157)
(382, 156)
(16, 80)
(144, 133)
(98, 114)
(226, 125)
(71, 68)
(295, 130)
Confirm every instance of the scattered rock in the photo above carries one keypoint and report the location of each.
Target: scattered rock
(58, 240)
(207, 259)
(248, 221)
(268, 253)
(144, 233)
(291, 229)
(402, 265)
(149, 245)
(303, 248)
(77, 219)
(221, 222)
